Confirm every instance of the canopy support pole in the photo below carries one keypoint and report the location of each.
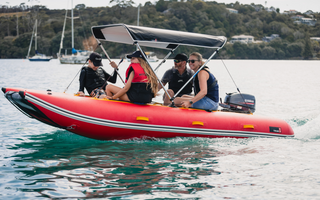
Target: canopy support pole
(165, 58)
(163, 61)
(214, 53)
(144, 55)
(99, 43)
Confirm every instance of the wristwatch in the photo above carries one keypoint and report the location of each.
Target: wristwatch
(191, 102)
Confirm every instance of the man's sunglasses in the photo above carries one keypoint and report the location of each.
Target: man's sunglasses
(192, 61)
(177, 61)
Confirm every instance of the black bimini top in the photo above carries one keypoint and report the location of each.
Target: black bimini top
(155, 37)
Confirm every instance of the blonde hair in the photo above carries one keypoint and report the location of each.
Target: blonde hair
(198, 55)
(152, 78)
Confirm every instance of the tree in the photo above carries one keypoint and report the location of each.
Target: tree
(162, 5)
(240, 50)
(294, 50)
(268, 52)
(123, 3)
(307, 53)
(80, 6)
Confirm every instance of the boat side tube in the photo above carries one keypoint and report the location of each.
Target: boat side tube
(214, 53)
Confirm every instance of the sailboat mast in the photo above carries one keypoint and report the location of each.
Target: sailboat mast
(138, 14)
(62, 35)
(138, 20)
(35, 36)
(31, 40)
(72, 32)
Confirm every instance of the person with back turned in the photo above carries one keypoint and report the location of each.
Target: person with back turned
(177, 76)
(93, 77)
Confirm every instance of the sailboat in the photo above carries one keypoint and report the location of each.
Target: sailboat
(77, 56)
(38, 56)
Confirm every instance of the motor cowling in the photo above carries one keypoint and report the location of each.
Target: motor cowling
(236, 102)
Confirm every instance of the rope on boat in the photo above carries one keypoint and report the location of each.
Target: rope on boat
(75, 76)
(234, 82)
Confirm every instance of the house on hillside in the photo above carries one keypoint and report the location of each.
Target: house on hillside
(296, 17)
(315, 38)
(257, 8)
(270, 38)
(290, 12)
(231, 10)
(242, 39)
(307, 21)
(309, 12)
(271, 9)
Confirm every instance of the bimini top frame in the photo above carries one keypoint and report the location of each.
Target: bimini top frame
(157, 38)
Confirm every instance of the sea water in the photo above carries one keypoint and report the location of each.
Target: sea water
(43, 162)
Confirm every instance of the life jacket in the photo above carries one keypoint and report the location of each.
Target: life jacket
(139, 74)
(177, 82)
(212, 86)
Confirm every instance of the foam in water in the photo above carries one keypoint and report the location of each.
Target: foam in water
(310, 130)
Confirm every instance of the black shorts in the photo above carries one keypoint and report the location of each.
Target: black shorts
(139, 93)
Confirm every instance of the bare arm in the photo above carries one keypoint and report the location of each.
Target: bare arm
(125, 89)
(203, 77)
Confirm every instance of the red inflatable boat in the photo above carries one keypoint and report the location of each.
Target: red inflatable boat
(109, 119)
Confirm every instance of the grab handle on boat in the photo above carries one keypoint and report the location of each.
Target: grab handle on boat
(141, 118)
(197, 123)
(248, 126)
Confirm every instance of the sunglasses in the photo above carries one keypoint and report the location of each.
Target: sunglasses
(176, 61)
(192, 61)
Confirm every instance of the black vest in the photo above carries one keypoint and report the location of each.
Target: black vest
(177, 82)
(212, 86)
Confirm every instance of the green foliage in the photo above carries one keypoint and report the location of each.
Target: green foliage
(294, 49)
(307, 53)
(268, 52)
(208, 17)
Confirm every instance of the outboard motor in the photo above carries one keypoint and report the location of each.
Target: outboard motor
(236, 102)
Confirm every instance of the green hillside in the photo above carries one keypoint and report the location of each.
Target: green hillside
(192, 16)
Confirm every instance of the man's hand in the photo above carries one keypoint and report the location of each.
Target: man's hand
(114, 65)
(81, 94)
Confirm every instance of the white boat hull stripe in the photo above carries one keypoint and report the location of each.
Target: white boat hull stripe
(148, 127)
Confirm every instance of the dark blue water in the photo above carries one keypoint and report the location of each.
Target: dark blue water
(43, 162)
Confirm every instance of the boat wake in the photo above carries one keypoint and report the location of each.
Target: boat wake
(310, 129)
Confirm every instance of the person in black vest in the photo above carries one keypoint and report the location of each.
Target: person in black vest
(177, 76)
(93, 77)
(206, 87)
